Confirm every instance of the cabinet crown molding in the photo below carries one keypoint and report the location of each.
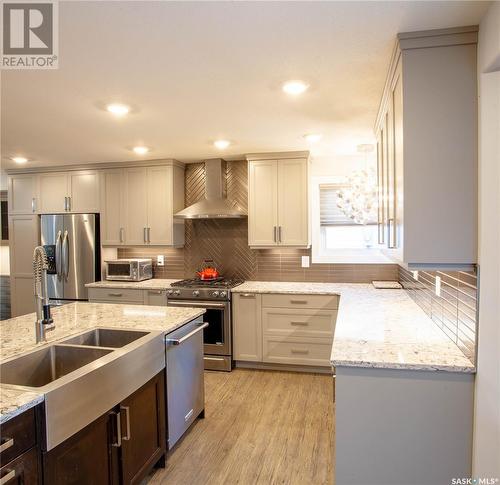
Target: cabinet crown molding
(96, 166)
(276, 155)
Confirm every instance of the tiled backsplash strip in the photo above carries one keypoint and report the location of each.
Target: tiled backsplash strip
(455, 310)
(226, 242)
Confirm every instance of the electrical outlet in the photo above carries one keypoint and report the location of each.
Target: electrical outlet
(305, 262)
(438, 285)
(160, 260)
(415, 275)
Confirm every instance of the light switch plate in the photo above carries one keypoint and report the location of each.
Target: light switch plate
(305, 262)
(160, 260)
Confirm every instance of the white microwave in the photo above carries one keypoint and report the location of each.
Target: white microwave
(129, 269)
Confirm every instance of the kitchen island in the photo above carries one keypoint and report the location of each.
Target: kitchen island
(99, 378)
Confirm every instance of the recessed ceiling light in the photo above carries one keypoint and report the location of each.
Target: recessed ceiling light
(141, 150)
(295, 87)
(19, 160)
(221, 144)
(313, 137)
(118, 109)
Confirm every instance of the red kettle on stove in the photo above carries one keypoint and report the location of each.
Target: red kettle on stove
(208, 271)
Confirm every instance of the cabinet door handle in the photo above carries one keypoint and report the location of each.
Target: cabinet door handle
(6, 444)
(149, 234)
(391, 231)
(275, 234)
(279, 233)
(298, 302)
(303, 324)
(33, 205)
(7, 478)
(69, 203)
(115, 294)
(65, 203)
(118, 430)
(299, 351)
(145, 234)
(127, 417)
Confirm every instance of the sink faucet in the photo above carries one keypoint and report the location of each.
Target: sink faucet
(44, 321)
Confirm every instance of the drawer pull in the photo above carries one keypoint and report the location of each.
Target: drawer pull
(154, 292)
(298, 302)
(8, 443)
(115, 294)
(299, 351)
(247, 295)
(7, 478)
(303, 324)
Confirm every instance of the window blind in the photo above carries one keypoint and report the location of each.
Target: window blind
(330, 214)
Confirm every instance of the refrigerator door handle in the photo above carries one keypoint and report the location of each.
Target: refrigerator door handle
(65, 255)
(58, 255)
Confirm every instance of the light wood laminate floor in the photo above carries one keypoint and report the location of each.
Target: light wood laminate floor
(261, 427)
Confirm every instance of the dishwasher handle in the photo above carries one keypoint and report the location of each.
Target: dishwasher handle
(178, 341)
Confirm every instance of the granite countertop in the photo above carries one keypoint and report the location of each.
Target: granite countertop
(152, 284)
(17, 336)
(378, 328)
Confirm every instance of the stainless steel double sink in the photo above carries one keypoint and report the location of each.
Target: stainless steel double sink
(85, 375)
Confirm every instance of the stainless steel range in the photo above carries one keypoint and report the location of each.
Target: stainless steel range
(215, 296)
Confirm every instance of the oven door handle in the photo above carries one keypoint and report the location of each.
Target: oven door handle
(197, 304)
(178, 341)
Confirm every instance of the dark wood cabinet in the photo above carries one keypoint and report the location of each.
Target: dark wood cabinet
(143, 430)
(120, 447)
(87, 458)
(23, 470)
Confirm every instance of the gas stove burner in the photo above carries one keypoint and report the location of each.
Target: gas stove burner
(219, 282)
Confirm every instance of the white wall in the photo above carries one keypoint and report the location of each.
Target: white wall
(486, 455)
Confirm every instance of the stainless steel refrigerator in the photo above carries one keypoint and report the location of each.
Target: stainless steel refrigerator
(73, 249)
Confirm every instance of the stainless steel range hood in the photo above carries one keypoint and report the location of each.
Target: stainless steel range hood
(214, 205)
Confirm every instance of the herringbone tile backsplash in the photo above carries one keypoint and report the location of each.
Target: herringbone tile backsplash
(226, 242)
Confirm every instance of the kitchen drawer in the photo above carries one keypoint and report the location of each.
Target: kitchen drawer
(297, 350)
(17, 435)
(300, 323)
(21, 471)
(300, 301)
(118, 295)
(155, 297)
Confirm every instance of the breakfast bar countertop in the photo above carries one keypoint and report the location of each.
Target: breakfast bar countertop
(378, 328)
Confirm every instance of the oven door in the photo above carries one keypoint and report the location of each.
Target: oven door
(217, 336)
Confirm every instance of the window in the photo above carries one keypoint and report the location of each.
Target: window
(336, 237)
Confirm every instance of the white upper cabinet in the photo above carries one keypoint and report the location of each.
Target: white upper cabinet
(83, 191)
(135, 206)
(53, 192)
(426, 133)
(112, 213)
(278, 208)
(76, 191)
(138, 205)
(292, 203)
(23, 194)
(262, 202)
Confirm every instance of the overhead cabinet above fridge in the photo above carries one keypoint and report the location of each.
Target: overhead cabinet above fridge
(426, 133)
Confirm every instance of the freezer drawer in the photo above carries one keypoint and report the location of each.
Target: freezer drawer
(185, 379)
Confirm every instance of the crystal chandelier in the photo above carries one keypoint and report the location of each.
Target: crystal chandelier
(358, 200)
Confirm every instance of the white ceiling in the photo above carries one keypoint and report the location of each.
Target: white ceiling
(198, 71)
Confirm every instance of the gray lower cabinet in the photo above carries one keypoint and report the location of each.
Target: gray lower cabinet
(128, 296)
(395, 427)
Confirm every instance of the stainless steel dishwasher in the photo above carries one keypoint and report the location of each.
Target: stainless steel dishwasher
(185, 380)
